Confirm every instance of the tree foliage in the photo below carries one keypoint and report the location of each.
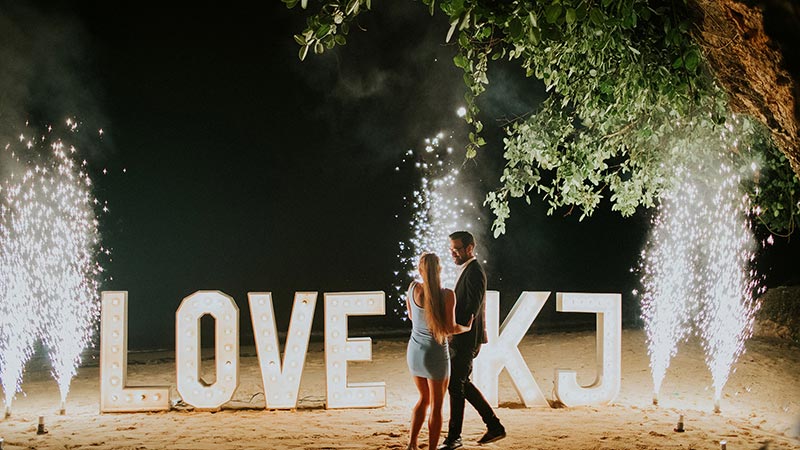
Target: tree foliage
(629, 98)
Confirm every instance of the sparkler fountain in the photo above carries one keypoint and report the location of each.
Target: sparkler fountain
(440, 206)
(729, 307)
(669, 278)
(697, 267)
(48, 274)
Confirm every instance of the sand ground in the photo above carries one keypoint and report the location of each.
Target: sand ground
(760, 405)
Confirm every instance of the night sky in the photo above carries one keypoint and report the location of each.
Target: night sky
(232, 165)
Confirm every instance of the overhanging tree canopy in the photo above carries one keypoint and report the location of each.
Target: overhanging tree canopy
(631, 96)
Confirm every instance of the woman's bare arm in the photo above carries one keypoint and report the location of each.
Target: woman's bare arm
(408, 299)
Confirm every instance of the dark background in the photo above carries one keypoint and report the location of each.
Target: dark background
(231, 165)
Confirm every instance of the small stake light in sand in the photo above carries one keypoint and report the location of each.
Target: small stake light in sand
(679, 426)
(192, 388)
(115, 395)
(282, 381)
(723, 445)
(608, 308)
(40, 428)
(502, 349)
(339, 349)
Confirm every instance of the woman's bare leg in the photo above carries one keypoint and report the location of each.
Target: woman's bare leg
(418, 413)
(437, 390)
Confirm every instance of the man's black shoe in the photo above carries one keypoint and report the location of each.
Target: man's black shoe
(451, 445)
(492, 436)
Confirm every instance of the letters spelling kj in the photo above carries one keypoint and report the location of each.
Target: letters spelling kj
(281, 379)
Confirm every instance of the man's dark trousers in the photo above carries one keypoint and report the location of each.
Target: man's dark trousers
(461, 389)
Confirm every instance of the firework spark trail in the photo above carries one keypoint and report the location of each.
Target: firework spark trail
(17, 327)
(440, 206)
(50, 240)
(726, 318)
(669, 277)
(697, 269)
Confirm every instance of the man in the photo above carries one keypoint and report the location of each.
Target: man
(470, 290)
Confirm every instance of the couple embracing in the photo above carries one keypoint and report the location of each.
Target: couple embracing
(447, 332)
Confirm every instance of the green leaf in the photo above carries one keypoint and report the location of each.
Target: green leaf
(678, 63)
(691, 59)
(582, 11)
(303, 52)
(535, 36)
(299, 39)
(352, 7)
(597, 17)
(571, 16)
(552, 13)
(515, 29)
(322, 31)
(532, 18)
(453, 26)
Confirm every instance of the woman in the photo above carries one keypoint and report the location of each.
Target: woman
(432, 311)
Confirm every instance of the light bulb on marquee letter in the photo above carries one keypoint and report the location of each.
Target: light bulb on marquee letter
(605, 388)
(115, 396)
(502, 349)
(191, 387)
(339, 349)
(282, 382)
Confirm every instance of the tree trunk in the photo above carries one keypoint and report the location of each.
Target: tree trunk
(752, 49)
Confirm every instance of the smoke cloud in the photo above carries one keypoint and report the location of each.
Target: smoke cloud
(46, 77)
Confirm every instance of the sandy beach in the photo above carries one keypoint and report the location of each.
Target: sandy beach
(760, 405)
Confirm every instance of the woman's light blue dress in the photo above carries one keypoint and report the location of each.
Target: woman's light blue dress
(426, 357)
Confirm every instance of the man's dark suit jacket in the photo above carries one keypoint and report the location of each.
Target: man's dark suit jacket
(471, 301)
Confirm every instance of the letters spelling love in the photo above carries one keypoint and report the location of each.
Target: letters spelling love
(281, 379)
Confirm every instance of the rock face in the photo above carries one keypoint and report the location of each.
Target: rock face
(752, 49)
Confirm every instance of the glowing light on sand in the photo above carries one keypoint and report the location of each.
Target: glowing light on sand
(441, 204)
(48, 271)
(697, 269)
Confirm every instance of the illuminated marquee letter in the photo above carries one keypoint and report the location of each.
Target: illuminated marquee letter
(605, 388)
(282, 382)
(194, 390)
(502, 349)
(339, 349)
(115, 396)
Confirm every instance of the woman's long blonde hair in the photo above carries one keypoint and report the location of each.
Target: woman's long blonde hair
(432, 297)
